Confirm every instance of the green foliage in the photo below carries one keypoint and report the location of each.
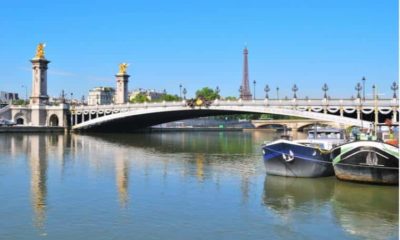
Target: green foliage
(142, 97)
(231, 98)
(207, 93)
(170, 98)
(139, 98)
(19, 102)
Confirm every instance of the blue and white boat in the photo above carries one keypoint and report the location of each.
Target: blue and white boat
(303, 158)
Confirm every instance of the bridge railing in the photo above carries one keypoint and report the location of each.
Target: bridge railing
(290, 103)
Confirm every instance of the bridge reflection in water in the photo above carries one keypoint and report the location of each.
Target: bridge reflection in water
(213, 180)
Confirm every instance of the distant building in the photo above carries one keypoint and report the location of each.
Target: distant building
(150, 93)
(101, 96)
(6, 97)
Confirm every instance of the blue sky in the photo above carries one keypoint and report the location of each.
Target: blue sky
(200, 43)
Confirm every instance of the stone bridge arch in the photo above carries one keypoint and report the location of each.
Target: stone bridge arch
(21, 118)
(120, 118)
(53, 121)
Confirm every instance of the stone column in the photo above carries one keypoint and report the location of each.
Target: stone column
(39, 81)
(39, 97)
(121, 93)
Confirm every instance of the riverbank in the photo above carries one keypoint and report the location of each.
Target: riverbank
(30, 129)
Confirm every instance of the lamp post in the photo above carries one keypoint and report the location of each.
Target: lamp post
(254, 87)
(184, 93)
(71, 97)
(217, 92)
(240, 91)
(325, 89)
(277, 93)
(26, 92)
(358, 88)
(363, 80)
(295, 89)
(180, 91)
(373, 91)
(394, 88)
(266, 90)
(62, 96)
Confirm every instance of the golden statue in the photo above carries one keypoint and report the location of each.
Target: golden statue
(40, 51)
(122, 68)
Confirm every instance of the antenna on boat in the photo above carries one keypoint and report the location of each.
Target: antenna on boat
(315, 130)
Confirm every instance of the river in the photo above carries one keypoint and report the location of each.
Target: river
(188, 185)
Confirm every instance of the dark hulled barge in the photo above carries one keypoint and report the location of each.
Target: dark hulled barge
(303, 158)
(292, 159)
(367, 161)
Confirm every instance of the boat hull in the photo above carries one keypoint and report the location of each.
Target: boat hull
(368, 162)
(292, 160)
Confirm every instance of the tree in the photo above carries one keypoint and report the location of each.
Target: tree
(170, 98)
(19, 102)
(139, 98)
(207, 93)
(231, 98)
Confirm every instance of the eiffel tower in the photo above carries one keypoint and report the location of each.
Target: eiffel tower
(245, 93)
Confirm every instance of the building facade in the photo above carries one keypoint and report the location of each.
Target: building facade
(101, 96)
(151, 94)
(7, 97)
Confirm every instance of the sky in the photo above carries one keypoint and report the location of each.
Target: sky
(200, 44)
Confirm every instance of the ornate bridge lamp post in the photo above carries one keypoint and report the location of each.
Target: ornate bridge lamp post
(240, 92)
(180, 91)
(363, 80)
(62, 96)
(254, 83)
(325, 89)
(373, 91)
(358, 88)
(277, 93)
(394, 88)
(266, 90)
(295, 89)
(184, 93)
(217, 92)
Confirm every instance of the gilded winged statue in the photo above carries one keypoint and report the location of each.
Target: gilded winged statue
(40, 51)
(123, 67)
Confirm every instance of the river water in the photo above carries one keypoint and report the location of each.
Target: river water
(190, 185)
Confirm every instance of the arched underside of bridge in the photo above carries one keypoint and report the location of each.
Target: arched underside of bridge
(139, 119)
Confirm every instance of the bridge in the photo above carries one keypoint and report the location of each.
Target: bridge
(123, 116)
(134, 116)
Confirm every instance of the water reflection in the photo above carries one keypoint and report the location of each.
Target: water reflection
(179, 171)
(38, 164)
(366, 211)
(285, 195)
(122, 177)
(194, 142)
